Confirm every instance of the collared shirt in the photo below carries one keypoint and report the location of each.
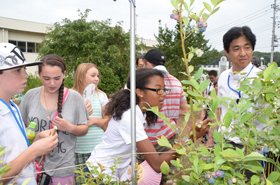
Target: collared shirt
(11, 137)
(170, 108)
(225, 91)
(209, 89)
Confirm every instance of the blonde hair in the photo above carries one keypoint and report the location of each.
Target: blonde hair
(80, 76)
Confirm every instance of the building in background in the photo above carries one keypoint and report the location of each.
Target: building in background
(223, 65)
(28, 35)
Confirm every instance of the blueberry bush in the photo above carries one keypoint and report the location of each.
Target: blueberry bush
(222, 163)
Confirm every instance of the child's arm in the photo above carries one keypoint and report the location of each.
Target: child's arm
(38, 148)
(154, 159)
(64, 125)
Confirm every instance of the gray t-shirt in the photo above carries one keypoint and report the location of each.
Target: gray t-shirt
(73, 110)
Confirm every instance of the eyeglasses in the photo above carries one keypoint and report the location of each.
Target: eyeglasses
(159, 91)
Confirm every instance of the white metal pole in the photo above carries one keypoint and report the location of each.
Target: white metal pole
(132, 88)
(273, 32)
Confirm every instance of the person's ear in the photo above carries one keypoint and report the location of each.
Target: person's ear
(149, 65)
(226, 53)
(139, 93)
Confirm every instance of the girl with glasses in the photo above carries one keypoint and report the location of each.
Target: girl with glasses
(116, 141)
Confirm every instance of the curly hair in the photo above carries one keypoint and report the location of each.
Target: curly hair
(120, 101)
(55, 60)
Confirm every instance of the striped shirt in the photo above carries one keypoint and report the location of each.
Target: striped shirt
(170, 108)
(86, 143)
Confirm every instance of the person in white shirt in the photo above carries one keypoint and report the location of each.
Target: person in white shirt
(116, 141)
(239, 44)
(20, 154)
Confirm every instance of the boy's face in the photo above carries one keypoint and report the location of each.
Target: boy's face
(212, 78)
(13, 81)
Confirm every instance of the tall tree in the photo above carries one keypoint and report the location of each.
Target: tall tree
(97, 42)
(170, 44)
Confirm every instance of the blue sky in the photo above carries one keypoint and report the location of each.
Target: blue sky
(254, 13)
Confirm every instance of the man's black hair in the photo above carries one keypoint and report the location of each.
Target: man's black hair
(237, 32)
(256, 61)
(213, 73)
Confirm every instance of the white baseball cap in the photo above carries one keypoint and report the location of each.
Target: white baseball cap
(12, 57)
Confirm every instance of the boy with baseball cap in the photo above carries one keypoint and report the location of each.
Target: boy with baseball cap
(20, 153)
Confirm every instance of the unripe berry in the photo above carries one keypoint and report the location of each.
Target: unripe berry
(204, 158)
(234, 180)
(207, 176)
(176, 17)
(175, 12)
(205, 24)
(202, 19)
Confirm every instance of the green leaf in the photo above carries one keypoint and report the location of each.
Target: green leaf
(191, 68)
(227, 119)
(208, 166)
(185, 20)
(187, 116)
(214, 2)
(191, 2)
(254, 156)
(163, 141)
(269, 70)
(198, 74)
(200, 13)
(268, 182)
(262, 119)
(174, 4)
(186, 82)
(255, 179)
(203, 86)
(274, 176)
(214, 11)
(164, 167)
(252, 141)
(193, 93)
(194, 83)
(215, 103)
(226, 167)
(186, 178)
(240, 152)
(217, 136)
(190, 56)
(205, 16)
(269, 96)
(246, 117)
(207, 6)
(217, 150)
(186, 6)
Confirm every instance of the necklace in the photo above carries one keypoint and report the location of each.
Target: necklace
(49, 116)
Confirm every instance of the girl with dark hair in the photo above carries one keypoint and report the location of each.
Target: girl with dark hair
(116, 141)
(42, 104)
